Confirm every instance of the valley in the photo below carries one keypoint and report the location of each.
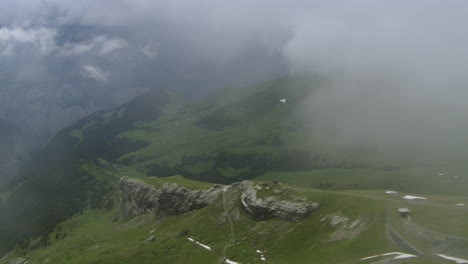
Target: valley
(235, 135)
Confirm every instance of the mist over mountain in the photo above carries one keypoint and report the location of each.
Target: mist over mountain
(356, 105)
(62, 60)
(12, 151)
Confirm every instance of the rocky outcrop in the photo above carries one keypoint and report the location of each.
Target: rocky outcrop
(345, 227)
(273, 206)
(139, 198)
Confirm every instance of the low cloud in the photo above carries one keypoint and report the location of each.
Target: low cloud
(94, 72)
(396, 69)
(151, 50)
(395, 75)
(14, 38)
(101, 45)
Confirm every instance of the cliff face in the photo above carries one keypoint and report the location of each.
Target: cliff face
(273, 206)
(139, 198)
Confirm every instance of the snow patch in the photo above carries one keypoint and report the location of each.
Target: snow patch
(457, 260)
(390, 192)
(411, 197)
(228, 261)
(283, 100)
(461, 204)
(262, 254)
(441, 174)
(200, 244)
(398, 255)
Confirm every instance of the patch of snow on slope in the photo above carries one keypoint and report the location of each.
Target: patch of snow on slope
(262, 254)
(228, 261)
(457, 260)
(411, 197)
(283, 100)
(390, 192)
(200, 244)
(460, 204)
(399, 255)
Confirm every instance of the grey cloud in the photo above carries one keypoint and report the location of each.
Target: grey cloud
(151, 50)
(101, 45)
(393, 65)
(396, 74)
(96, 73)
(13, 37)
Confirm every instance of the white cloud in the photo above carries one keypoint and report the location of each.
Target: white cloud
(112, 44)
(103, 45)
(11, 38)
(151, 50)
(94, 72)
(43, 39)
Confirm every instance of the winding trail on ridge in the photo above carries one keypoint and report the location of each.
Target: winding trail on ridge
(230, 223)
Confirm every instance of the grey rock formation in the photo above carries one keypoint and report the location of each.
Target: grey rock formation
(273, 206)
(139, 198)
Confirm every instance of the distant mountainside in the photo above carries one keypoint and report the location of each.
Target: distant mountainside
(11, 151)
(233, 135)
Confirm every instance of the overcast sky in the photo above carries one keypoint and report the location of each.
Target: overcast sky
(62, 59)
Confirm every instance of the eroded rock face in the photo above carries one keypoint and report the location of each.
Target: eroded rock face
(136, 197)
(273, 206)
(139, 198)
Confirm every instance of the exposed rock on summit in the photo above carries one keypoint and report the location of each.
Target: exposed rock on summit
(273, 206)
(139, 198)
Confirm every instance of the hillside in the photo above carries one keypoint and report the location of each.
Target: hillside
(354, 224)
(11, 151)
(260, 132)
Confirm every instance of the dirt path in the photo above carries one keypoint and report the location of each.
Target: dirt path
(402, 243)
(420, 228)
(231, 224)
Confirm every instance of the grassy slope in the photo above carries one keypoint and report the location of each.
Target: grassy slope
(97, 237)
(261, 136)
(251, 123)
(94, 238)
(417, 180)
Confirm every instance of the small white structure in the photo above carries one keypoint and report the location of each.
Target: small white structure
(283, 100)
(404, 212)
